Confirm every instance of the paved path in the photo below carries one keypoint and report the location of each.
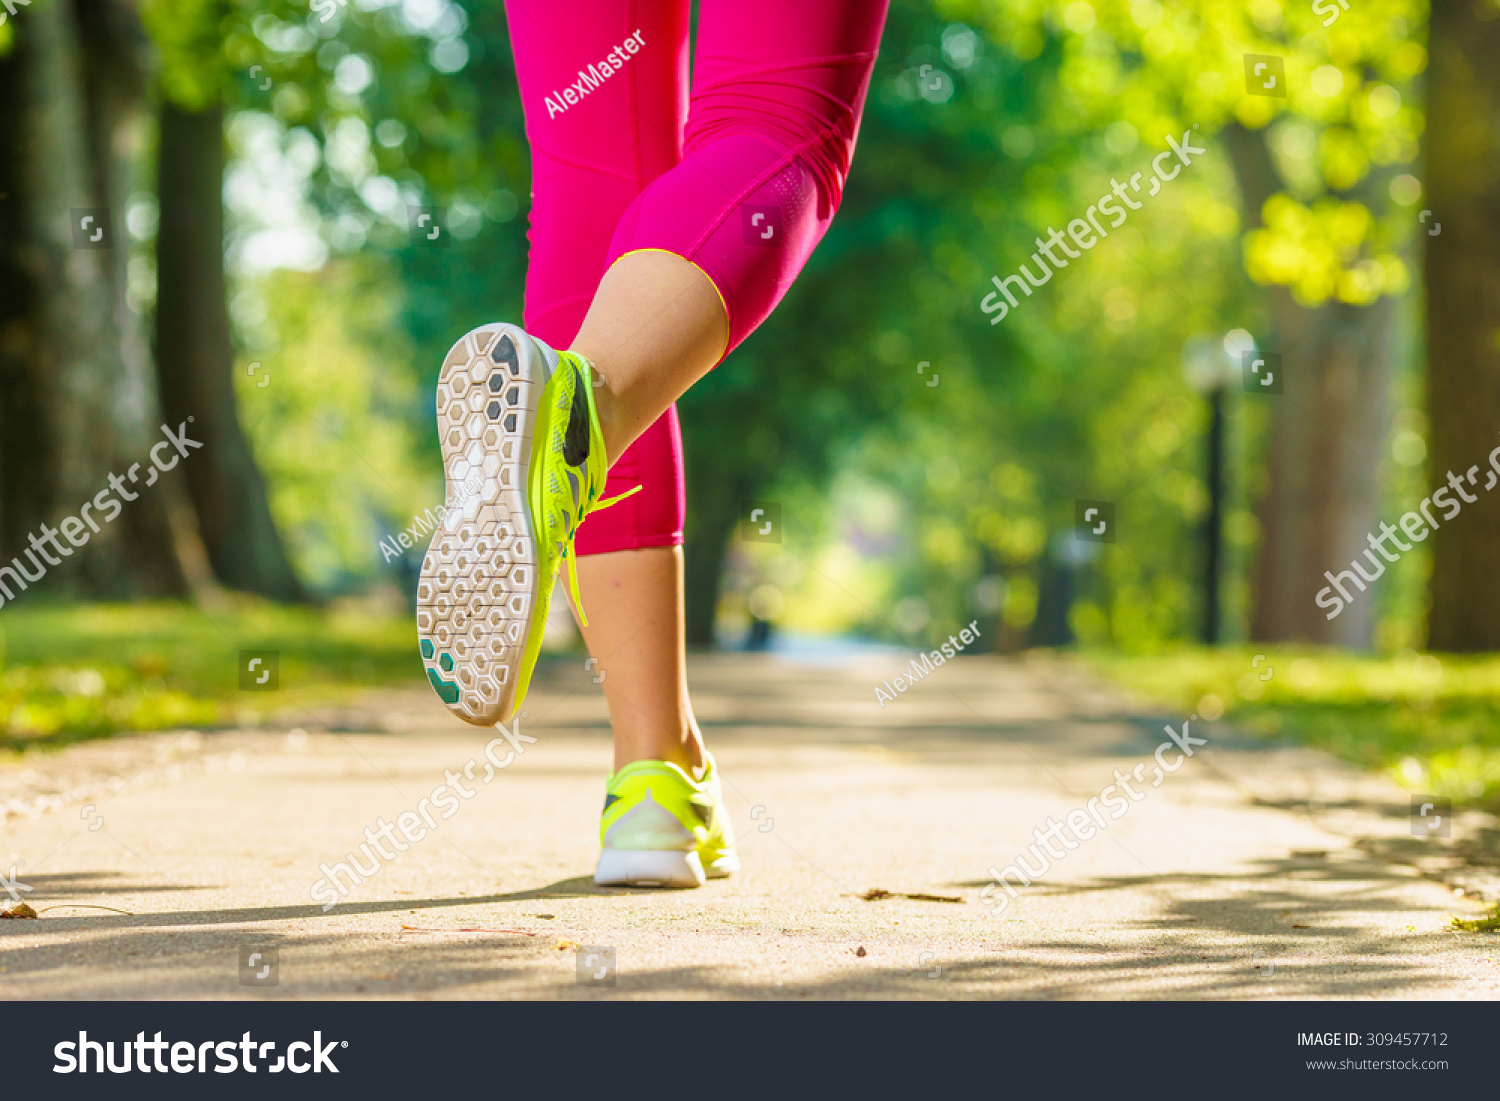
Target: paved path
(1249, 873)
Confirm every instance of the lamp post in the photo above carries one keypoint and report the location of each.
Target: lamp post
(1210, 366)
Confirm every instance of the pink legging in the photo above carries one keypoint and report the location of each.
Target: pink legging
(741, 179)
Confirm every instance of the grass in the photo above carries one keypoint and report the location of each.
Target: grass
(82, 671)
(1427, 720)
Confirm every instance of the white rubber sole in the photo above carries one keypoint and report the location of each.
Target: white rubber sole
(477, 591)
(723, 867)
(649, 868)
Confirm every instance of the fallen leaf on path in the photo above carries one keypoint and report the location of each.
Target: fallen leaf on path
(421, 929)
(861, 951)
(19, 910)
(564, 943)
(1480, 925)
(876, 894)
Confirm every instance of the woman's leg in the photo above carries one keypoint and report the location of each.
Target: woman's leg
(707, 250)
(656, 326)
(712, 245)
(702, 257)
(636, 617)
(590, 160)
(630, 578)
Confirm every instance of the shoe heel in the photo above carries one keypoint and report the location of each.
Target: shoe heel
(649, 868)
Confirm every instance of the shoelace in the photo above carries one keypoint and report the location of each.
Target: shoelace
(571, 557)
(572, 527)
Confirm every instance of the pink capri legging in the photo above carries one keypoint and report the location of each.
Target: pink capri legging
(742, 178)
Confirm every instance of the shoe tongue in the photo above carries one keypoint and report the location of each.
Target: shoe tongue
(549, 358)
(577, 437)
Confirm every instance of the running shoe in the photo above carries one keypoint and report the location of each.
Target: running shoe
(662, 828)
(523, 458)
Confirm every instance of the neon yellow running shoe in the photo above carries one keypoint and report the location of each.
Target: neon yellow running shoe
(524, 463)
(662, 828)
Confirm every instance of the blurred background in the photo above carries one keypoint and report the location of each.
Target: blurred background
(256, 165)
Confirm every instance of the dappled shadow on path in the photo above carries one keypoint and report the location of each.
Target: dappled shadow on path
(1272, 931)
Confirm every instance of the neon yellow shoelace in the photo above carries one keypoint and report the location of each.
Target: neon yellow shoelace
(571, 557)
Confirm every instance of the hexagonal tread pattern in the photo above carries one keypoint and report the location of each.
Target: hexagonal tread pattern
(477, 588)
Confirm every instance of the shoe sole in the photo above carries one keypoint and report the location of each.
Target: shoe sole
(649, 868)
(477, 591)
(722, 868)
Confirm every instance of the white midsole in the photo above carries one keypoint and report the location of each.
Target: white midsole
(649, 868)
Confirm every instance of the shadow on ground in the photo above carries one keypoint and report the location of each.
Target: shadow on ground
(1251, 938)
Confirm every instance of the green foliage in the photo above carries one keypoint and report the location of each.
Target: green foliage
(330, 409)
(1348, 120)
(1080, 392)
(1426, 720)
(188, 36)
(1058, 402)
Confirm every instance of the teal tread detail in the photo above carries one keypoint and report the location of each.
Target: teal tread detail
(447, 692)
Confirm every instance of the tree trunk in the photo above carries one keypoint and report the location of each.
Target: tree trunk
(71, 407)
(712, 519)
(114, 53)
(25, 474)
(1462, 274)
(1323, 491)
(1327, 426)
(195, 358)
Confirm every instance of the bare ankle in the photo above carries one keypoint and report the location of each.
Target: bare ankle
(607, 409)
(687, 753)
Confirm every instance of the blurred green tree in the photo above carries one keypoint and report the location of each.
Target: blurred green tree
(77, 400)
(194, 352)
(1322, 179)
